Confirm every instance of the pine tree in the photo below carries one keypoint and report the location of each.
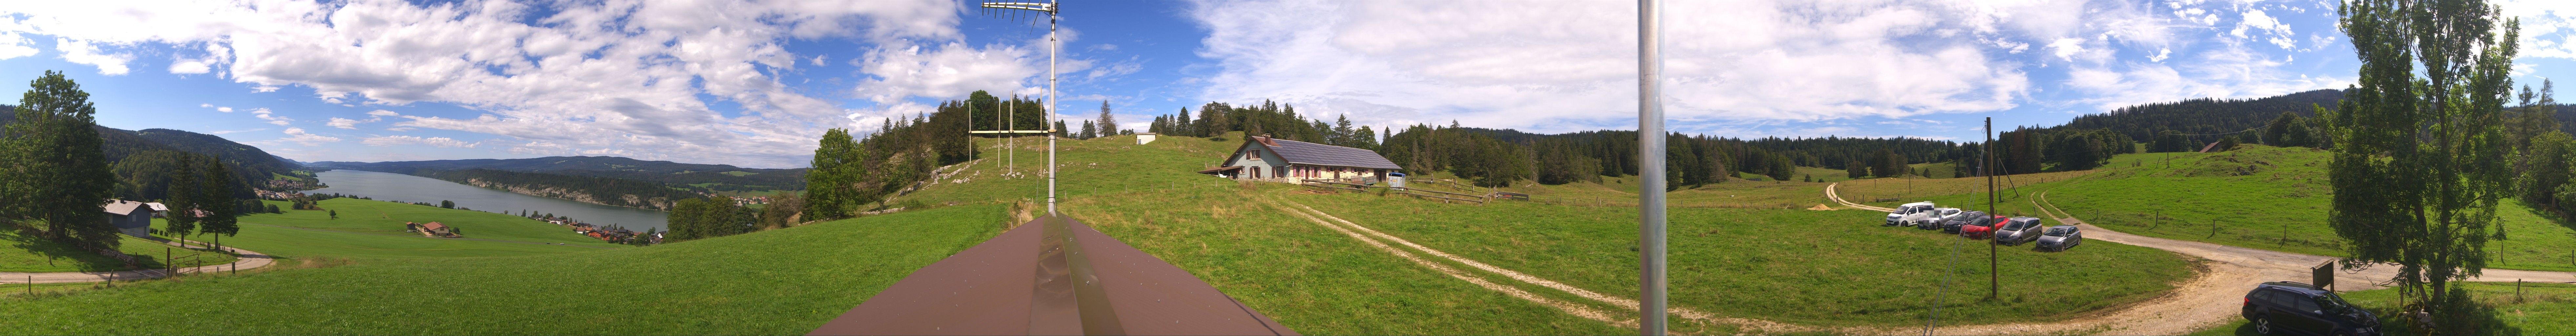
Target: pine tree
(1108, 124)
(1089, 130)
(184, 199)
(216, 190)
(56, 172)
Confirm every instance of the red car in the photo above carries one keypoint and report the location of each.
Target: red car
(1981, 228)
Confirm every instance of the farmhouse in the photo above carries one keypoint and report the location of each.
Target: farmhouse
(130, 218)
(433, 229)
(1263, 158)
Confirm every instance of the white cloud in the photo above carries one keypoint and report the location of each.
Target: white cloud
(15, 46)
(272, 118)
(1557, 67)
(84, 52)
(203, 105)
(224, 109)
(189, 67)
(382, 113)
(346, 123)
(413, 140)
(586, 74)
(297, 135)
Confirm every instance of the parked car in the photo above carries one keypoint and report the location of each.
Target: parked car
(2283, 307)
(1937, 215)
(1952, 225)
(1981, 228)
(2060, 238)
(2018, 230)
(1897, 217)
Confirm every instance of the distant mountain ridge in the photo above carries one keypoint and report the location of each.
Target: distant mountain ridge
(719, 177)
(252, 165)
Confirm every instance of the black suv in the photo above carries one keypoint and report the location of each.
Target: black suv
(2284, 307)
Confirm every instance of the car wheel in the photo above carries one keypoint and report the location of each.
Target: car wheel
(2263, 325)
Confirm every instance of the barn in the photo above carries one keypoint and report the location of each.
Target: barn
(1263, 158)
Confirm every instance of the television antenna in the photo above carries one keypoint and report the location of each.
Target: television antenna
(1052, 44)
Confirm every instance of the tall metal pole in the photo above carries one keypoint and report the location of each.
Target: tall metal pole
(1650, 168)
(1993, 280)
(1050, 107)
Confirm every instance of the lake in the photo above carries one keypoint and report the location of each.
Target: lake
(406, 188)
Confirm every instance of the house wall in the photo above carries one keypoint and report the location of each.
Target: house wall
(138, 224)
(1269, 163)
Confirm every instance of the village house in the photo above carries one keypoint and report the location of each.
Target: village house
(433, 229)
(129, 217)
(1263, 158)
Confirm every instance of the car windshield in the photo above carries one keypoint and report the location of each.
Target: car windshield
(2059, 231)
(2015, 225)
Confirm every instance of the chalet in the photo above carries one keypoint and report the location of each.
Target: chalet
(1263, 158)
(130, 218)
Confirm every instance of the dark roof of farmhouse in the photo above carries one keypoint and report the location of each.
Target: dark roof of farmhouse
(1322, 154)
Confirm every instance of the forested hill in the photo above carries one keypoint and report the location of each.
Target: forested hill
(585, 189)
(252, 165)
(709, 176)
(2205, 115)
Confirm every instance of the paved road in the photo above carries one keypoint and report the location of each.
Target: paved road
(2210, 299)
(248, 260)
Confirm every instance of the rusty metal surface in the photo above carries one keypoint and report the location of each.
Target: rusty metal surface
(1055, 277)
(983, 290)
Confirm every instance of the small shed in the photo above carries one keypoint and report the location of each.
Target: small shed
(129, 217)
(1145, 138)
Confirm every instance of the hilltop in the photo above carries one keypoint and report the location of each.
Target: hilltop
(251, 164)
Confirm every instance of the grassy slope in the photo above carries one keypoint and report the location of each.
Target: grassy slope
(2258, 196)
(1838, 266)
(32, 254)
(1307, 277)
(373, 229)
(776, 282)
(2543, 309)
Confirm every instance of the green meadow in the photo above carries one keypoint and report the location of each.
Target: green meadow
(1839, 267)
(2256, 196)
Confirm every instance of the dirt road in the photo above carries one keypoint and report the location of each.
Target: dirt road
(248, 260)
(2210, 299)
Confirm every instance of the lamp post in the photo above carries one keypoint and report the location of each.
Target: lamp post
(1050, 9)
(1650, 161)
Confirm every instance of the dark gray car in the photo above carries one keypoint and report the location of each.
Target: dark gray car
(2060, 238)
(2018, 230)
(1952, 225)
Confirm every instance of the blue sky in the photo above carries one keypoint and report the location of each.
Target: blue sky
(753, 83)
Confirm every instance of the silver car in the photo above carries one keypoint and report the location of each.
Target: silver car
(2060, 238)
(2018, 230)
(1933, 220)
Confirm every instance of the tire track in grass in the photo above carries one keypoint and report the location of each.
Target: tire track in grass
(1569, 307)
(1621, 302)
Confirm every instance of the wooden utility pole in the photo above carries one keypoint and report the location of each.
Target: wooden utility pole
(1994, 281)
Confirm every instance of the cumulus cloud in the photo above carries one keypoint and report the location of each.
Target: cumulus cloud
(346, 123)
(271, 117)
(1729, 65)
(591, 75)
(85, 52)
(224, 109)
(413, 140)
(297, 135)
(1557, 68)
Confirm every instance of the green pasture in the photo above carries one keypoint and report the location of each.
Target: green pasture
(1839, 268)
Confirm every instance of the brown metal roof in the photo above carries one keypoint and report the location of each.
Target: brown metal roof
(1051, 277)
(433, 226)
